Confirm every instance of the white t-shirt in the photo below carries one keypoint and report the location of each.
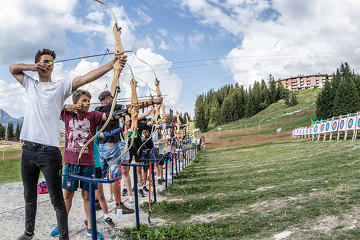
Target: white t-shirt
(155, 139)
(42, 115)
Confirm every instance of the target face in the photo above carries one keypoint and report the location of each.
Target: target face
(316, 128)
(342, 123)
(327, 126)
(358, 123)
(334, 126)
(350, 123)
(322, 127)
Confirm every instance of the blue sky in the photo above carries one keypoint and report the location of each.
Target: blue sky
(193, 45)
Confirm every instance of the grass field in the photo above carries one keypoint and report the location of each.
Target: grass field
(310, 189)
(255, 183)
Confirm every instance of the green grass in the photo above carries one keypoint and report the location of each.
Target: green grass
(10, 171)
(256, 192)
(277, 112)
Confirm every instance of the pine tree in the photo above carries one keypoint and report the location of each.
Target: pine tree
(2, 131)
(272, 89)
(10, 131)
(256, 91)
(347, 97)
(291, 99)
(282, 93)
(17, 131)
(216, 113)
(200, 118)
(242, 103)
(265, 93)
(227, 109)
(325, 102)
(250, 109)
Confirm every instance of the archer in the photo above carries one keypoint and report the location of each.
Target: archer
(40, 132)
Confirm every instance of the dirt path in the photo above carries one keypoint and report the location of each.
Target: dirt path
(12, 215)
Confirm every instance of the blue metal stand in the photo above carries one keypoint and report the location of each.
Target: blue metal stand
(135, 191)
(92, 182)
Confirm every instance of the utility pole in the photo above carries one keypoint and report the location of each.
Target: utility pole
(5, 138)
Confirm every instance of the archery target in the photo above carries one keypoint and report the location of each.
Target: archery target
(322, 127)
(327, 127)
(316, 128)
(351, 123)
(342, 124)
(358, 123)
(334, 125)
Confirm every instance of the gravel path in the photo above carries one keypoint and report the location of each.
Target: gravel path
(12, 216)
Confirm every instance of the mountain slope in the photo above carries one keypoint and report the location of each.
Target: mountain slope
(6, 118)
(278, 115)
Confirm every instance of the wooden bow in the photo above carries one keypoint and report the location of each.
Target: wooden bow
(178, 124)
(187, 127)
(134, 117)
(115, 88)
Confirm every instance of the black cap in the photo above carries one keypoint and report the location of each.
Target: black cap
(104, 95)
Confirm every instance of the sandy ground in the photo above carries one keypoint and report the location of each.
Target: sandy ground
(12, 217)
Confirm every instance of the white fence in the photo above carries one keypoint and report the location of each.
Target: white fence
(336, 127)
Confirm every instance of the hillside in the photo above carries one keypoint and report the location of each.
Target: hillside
(6, 118)
(278, 115)
(262, 128)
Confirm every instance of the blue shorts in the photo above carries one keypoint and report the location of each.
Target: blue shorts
(108, 154)
(72, 184)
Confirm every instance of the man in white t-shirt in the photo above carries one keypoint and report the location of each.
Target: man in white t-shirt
(40, 133)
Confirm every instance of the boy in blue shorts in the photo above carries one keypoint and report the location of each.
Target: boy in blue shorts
(80, 126)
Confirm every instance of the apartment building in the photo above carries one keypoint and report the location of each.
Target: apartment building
(304, 82)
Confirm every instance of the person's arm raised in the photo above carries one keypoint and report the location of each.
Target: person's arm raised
(97, 73)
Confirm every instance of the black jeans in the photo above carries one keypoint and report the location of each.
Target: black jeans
(47, 159)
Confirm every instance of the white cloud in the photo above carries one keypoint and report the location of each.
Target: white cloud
(163, 32)
(231, 15)
(95, 16)
(196, 39)
(170, 84)
(12, 97)
(143, 17)
(29, 25)
(307, 37)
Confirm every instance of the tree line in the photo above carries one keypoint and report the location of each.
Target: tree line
(11, 133)
(234, 102)
(339, 96)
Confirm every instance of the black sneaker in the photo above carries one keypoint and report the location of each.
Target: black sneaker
(109, 222)
(163, 180)
(141, 193)
(97, 206)
(126, 210)
(145, 189)
(124, 192)
(26, 236)
(160, 182)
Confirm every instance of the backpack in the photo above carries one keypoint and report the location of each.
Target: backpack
(42, 188)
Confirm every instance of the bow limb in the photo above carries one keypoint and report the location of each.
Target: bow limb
(187, 126)
(153, 114)
(172, 124)
(164, 123)
(134, 118)
(115, 89)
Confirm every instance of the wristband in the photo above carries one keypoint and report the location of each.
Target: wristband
(112, 132)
